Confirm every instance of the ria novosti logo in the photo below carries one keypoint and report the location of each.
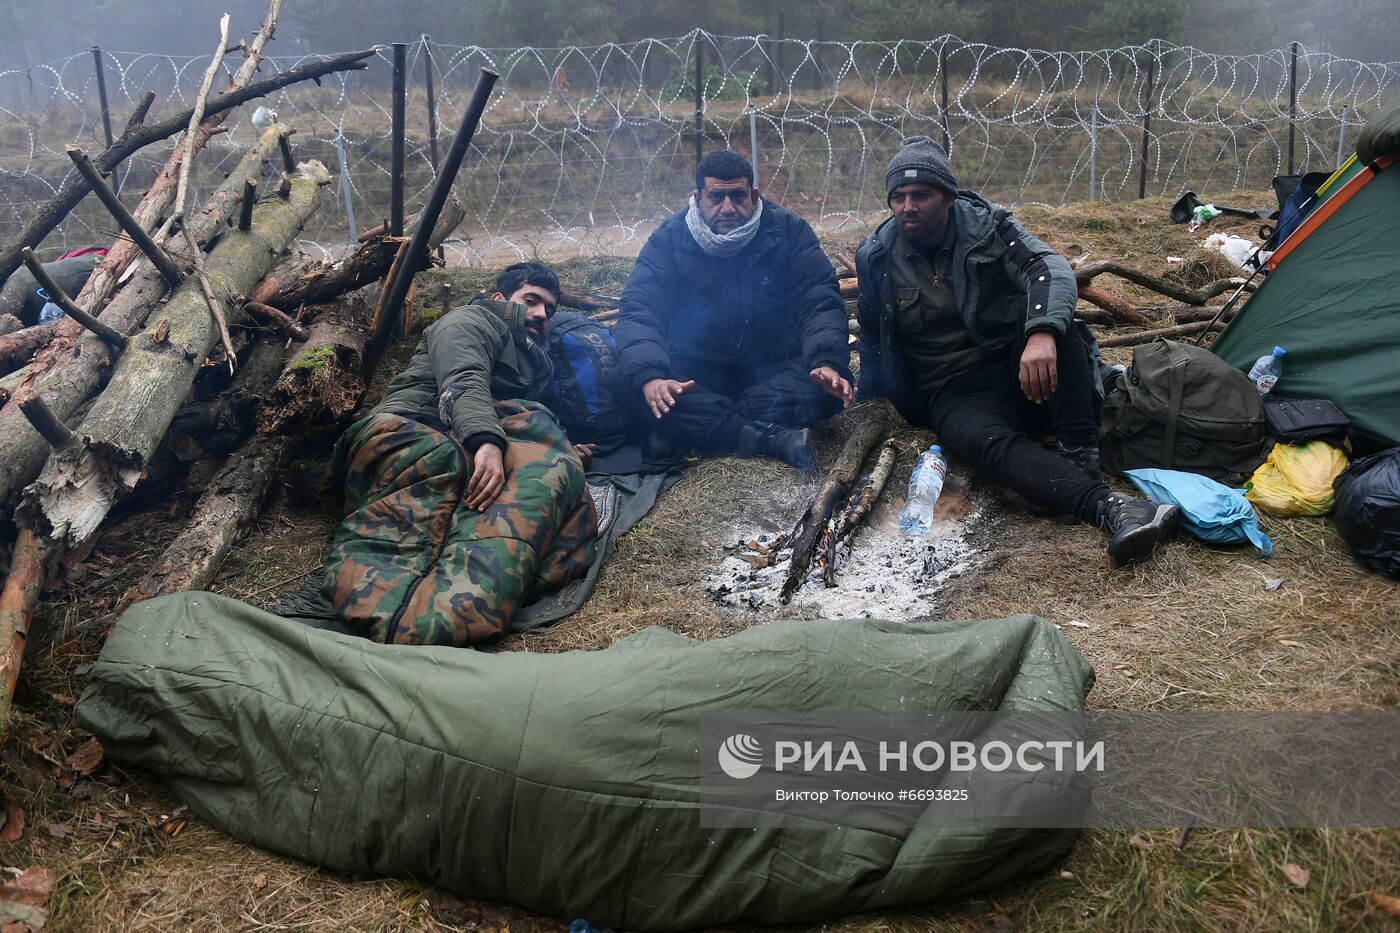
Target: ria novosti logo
(740, 756)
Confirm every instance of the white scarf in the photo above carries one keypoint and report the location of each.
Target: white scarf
(722, 245)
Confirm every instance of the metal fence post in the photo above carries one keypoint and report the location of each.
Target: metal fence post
(396, 152)
(753, 141)
(345, 188)
(699, 95)
(943, 95)
(1342, 137)
(432, 114)
(1292, 103)
(102, 93)
(1147, 123)
(1094, 153)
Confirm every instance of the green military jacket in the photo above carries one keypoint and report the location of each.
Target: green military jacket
(469, 358)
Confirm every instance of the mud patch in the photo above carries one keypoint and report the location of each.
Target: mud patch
(880, 573)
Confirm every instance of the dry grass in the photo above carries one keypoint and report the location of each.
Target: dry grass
(1194, 628)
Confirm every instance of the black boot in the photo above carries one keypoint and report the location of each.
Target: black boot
(793, 446)
(1086, 458)
(1134, 527)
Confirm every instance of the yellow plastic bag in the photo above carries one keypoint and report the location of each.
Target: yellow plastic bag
(1296, 480)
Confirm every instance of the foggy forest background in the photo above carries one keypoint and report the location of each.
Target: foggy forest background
(35, 31)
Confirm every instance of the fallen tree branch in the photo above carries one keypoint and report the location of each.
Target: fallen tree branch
(863, 504)
(182, 191)
(1147, 336)
(1116, 307)
(1084, 274)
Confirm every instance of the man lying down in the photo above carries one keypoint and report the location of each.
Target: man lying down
(464, 498)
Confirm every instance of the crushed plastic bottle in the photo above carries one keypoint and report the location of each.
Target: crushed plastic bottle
(925, 485)
(1267, 370)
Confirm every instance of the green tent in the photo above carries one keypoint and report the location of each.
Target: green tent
(1332, 300)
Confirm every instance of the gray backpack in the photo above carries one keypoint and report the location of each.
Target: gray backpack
(1181, 407)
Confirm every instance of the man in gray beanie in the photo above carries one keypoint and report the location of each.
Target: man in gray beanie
(967, 325)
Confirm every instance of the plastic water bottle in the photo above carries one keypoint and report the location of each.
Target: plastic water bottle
(925, 484)
(1266, 370)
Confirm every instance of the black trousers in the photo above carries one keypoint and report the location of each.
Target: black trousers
(709, 416)
(983, 417)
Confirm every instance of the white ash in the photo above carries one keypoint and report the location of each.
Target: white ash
(880, 573)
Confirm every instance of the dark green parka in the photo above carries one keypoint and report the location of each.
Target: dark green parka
(469, 358)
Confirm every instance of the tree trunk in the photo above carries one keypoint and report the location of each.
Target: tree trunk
(65, 377)
(220, 425)
(833, 491)
(288, 290)
(1147, 336)
(9, 324)
(325, 379)
(231, 503)
(80, 483)
(18, 349)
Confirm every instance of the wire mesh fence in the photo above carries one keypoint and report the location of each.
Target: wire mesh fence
(585, 149)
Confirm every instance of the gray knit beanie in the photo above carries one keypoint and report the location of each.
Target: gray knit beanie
(920, 159)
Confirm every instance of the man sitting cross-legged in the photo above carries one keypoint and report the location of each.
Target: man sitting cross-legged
(733, 333)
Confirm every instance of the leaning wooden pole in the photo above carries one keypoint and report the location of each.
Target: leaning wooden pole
(66, 376)
(442, 187)
(79, 485)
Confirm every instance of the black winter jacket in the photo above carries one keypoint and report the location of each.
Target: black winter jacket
(777, 300)
(1006, 283)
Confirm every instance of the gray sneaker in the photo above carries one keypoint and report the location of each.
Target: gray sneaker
(1134, 526)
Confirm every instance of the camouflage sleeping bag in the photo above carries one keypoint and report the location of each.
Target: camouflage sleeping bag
(410, 564)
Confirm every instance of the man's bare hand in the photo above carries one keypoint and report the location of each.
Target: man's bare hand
(585, 453)
(661, 394)
(488, 477)
(1040, 377)
(833, 384)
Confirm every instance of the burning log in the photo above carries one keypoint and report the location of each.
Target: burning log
(862, 506)
(79, 485)
(66, 376)
(834, 491)
(229, 505)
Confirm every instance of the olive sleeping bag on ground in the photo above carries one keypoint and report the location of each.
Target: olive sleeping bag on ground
(411, 564)
(563, 782)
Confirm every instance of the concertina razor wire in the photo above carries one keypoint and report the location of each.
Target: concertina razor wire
(584, 150)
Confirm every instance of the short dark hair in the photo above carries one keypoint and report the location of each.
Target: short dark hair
(516, 277)
(723, 164)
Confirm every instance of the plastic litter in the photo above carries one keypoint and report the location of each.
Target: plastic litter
(1237, 249)
(1210, 511)
(1297, 479)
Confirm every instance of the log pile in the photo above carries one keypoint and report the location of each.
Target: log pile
(1191, 315)
(190, 342)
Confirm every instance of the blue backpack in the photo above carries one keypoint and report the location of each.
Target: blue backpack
(582, 390)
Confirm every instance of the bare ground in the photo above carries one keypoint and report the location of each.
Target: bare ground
(1194, 628)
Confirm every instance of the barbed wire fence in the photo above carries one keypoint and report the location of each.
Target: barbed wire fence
(583, 150)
